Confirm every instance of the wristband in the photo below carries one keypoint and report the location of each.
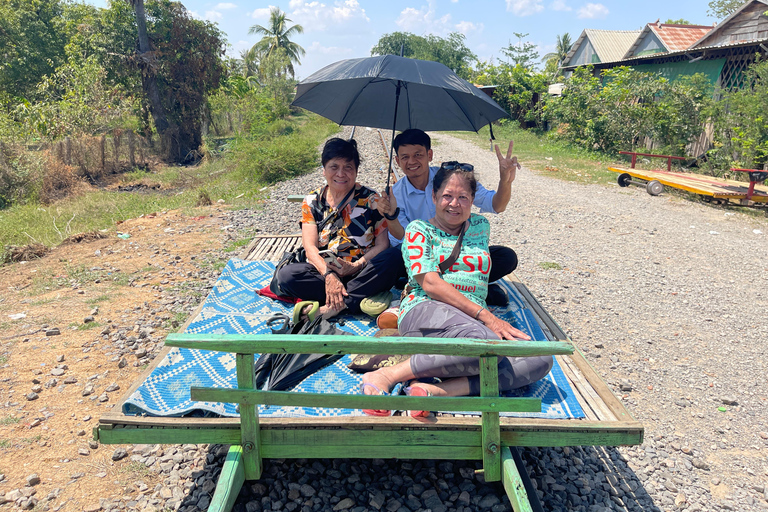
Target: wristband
(394, 215)
(477, 315)
(329, 271)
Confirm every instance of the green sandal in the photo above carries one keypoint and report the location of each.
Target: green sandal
(300, 306)
(376, 304)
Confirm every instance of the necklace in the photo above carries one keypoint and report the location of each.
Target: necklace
(438, 225)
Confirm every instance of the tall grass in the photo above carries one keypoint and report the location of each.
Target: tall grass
(541, 152)
(236, 178)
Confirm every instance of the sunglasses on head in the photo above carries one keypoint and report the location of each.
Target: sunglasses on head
(453, 164)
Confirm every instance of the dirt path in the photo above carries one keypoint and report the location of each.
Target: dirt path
(76, 328)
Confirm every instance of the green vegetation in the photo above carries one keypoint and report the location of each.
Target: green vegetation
(100, 298)
(451, 51)
(550, 265)
(10, 420)
(85, 326)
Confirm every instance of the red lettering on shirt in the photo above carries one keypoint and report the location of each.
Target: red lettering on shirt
(468, 262)
(416, 265)
(414, 237)
(412, 248)
(480, 265)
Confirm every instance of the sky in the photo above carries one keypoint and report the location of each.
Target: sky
(343, 29)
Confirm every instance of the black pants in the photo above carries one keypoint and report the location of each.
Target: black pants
(503, 262)
(304, 281)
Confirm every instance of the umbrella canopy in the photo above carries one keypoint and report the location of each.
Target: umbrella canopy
(363, 92)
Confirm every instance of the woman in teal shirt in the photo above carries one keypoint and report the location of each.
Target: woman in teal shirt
(451, 304)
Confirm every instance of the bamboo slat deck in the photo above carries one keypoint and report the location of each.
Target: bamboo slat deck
(447, 436)
(716, 188)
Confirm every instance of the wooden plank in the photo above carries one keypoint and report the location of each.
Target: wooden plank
(231, 479)
(324, 344)
(342, 401)
(363, 451)
(588, 392)
(249, 420)
(533, 497)
(513, 483)
(585, 406)
(489, 387)
(605, 394)
(543, 433)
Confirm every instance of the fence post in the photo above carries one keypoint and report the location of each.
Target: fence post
(131, 149)
(68, 143)
(116, 143)
(103, 152)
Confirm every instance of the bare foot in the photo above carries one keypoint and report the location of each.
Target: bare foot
(327, 312)
(379, 379)
(433, 389)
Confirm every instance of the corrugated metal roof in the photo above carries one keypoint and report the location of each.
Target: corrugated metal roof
(679, 37)
(722, 24)
(611, 45)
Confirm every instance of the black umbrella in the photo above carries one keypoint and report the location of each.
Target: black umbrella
(398, 93)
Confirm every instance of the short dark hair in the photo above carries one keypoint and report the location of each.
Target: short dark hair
(443, 175)
(340, 148)
(412, 136)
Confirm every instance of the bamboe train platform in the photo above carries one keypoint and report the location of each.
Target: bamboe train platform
(251, 422)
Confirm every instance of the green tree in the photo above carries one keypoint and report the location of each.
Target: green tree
(31, 43)
(563, 45)
(451, 51)
(723, 8)
(519, 91)
(741, 123)
(277, 39)
(523, 53)
(679, 21)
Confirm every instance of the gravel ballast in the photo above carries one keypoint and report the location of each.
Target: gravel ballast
(666, 298)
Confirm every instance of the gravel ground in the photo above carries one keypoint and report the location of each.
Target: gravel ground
(666, 298)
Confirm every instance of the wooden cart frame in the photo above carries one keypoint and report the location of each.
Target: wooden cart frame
(489, 438)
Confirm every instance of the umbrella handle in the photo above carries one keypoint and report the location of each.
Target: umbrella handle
(392, 144)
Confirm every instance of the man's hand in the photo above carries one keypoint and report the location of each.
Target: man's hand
(345, 268)
(508, 165)
(334, 292)
(386, 204)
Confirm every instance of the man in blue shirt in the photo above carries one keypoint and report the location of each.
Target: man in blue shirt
(413, 195)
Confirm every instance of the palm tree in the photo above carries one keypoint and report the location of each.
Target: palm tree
(562, 48)
(276, 40)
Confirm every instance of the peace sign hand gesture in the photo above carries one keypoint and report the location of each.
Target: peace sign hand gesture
(508, 165)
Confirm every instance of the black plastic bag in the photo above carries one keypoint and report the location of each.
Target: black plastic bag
(279, 372)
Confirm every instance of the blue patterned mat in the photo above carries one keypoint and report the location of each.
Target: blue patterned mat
(232, 307)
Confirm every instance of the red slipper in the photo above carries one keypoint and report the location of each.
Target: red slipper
(417, 391)
(375, 412)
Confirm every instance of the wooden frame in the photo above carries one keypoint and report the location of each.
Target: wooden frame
(446, 436)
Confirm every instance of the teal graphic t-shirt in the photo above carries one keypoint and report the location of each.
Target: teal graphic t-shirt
(424, 247)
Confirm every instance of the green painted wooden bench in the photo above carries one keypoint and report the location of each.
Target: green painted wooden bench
(490, 438)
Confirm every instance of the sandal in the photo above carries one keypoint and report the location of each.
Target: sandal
(417, 391)
(297, 310)
(374, 305)
(375, 412)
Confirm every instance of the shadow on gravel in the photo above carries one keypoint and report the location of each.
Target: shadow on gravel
(586, 478)
(354, 485)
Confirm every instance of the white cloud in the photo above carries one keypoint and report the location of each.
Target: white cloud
(224, 6)
(466, 27)
(262, 13)
(454, 1)
(560, 5)
(317, 16)
(593, 12)
(423, 20)
(213, 15)
(316, 47)
(426, 20)
(524, 7)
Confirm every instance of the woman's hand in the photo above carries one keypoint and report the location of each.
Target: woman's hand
(345, 268)
(334, 292)
(503, 329)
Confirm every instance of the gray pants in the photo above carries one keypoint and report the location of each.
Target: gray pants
(434, 319)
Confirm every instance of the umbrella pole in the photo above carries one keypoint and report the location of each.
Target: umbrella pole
(392, 144)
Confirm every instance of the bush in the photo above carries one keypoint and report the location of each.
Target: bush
(740, 121)
(624, 107)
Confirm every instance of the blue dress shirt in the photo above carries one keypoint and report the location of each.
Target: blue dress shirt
(417, 204)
